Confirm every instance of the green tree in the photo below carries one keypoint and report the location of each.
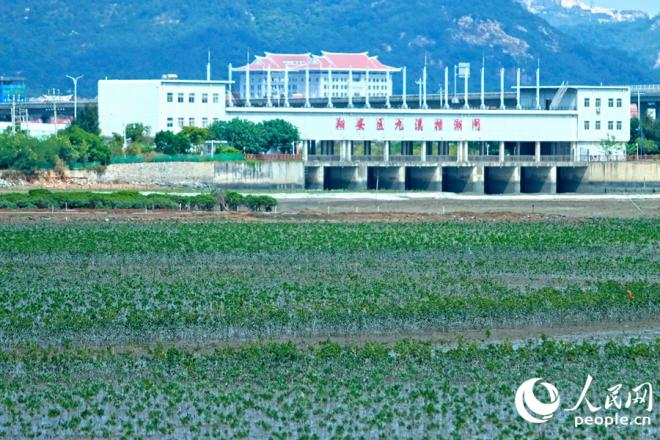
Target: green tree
(196, 135)
(89, 146)
(88, 119)
(170, 143)
(280, 135)
(138, 133)
(116, 144)
(609, 146)
(244, 135)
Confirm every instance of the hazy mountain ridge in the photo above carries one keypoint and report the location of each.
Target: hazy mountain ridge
(141, 39)
(632, 31)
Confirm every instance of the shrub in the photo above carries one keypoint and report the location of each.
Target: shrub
(260, 203)
(268, 203)
(6, 204)
(227, 149)
(234, 200)
(205, 202)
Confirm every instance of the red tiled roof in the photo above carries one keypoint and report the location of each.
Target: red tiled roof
(328, 60)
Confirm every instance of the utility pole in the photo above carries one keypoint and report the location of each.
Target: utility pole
(13, 114)
(640, 144)
(75, 94)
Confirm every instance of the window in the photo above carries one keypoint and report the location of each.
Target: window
(610, 125)
(170, 97)
(619, 125)
(216, 98)
(191, 98)
(610, 102)
(191, 122)
(205, 122)
(597, 102)
(619, 102)
(179, 97)
(597, 125)
(586, 125)
(170, 122)
(205, 98)
(215, 119)
(180, 122)
(587, 102)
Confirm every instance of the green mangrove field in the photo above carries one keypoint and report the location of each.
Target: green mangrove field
(310, 329)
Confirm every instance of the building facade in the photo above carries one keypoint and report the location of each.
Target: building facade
(336, 75)
(12, 89)
(163, 104)
(578, 122)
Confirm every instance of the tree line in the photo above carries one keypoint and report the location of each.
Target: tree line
(81, 142)
(645, 137)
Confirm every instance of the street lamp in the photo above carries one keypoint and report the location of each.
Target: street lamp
(75, 95)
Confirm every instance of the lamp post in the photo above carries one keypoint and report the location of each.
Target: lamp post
(75, 94)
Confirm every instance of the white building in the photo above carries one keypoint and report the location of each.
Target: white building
(161, 104)
(573, 121)
(338, 75)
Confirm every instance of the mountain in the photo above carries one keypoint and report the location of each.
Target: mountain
(44, 40)
(632, 31)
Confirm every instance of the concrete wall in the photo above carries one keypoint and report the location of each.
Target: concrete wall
(621, 176)
(199, 174)
(594, 177)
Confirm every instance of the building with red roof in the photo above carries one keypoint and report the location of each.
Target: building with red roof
(331, 74)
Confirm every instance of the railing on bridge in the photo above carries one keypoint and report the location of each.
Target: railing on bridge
(557, 158)
(405, 158)
(323, 158)
(273, 157)
(368, 158)
(642, 87)
(484, 158)
(490, 158)
(440, 158)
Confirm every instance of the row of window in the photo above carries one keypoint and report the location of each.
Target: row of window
(180, 98)
(345, 95)
(610, 125)
(610, 102)
(181, 122)
(356, 78)
(336, 87)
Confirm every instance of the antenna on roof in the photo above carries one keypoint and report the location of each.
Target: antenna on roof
(208, 67)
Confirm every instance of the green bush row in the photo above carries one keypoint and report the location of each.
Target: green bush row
(234, 200)
(44, 199)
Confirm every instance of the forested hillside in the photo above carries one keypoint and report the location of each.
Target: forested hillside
(47, 39)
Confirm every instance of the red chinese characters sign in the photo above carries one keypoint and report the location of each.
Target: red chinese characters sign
(399, 124)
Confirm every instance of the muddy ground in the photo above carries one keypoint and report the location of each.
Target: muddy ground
(363, 208)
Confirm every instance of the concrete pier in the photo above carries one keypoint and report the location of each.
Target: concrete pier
(502, 180)
(424, 178)
(538, 180)
(345, 177)
(386, 178)
(463, 179)
(314, 177)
